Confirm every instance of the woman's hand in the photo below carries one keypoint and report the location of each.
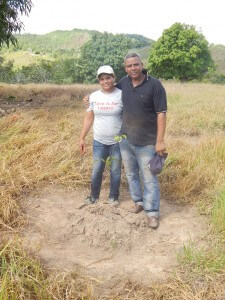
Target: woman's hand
(82, 146)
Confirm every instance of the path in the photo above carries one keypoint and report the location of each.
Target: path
(108, 242)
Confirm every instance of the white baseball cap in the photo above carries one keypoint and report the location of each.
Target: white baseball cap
(105, 70)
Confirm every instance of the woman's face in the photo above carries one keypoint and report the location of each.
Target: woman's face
(106, 82)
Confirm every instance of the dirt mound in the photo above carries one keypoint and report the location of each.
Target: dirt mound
(108, 242)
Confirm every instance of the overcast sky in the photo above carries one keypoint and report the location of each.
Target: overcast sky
(145, 17)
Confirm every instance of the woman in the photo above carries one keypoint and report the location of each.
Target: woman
(105, 111)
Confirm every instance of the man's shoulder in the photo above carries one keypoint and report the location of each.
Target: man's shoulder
(117, 91)
(153, 79)
(154, 84)
(121, 82)
(124, 78)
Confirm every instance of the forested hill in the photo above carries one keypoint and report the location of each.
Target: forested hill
(53, 41)
(65, 41)
(73, 56)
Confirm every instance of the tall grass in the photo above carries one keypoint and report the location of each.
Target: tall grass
(39, 146)
(218, 214)
(22, 277)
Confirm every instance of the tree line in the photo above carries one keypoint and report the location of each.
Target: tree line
(181, 53)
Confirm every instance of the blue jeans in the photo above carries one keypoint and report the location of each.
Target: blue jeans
(100, 154)
(136, 159)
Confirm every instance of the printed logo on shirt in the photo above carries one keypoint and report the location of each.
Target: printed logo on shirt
(106, 106)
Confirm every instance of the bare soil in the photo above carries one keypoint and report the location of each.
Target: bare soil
(108, 242)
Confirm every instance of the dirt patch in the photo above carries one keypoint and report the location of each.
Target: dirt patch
(108, 242)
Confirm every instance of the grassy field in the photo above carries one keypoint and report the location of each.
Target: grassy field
(24, 58)
(39, 135)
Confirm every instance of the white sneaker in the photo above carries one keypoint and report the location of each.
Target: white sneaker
(113, 202)
(90, 200)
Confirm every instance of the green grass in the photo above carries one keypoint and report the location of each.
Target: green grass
(24, 58)
(21, 277)
(203, 261)
(218, 213)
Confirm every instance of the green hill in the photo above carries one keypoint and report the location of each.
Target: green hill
(57, 44)
(33, 48)
(54, 41)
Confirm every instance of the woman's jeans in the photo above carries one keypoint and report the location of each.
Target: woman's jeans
(104, 155)
(135, 160)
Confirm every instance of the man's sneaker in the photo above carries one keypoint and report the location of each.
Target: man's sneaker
(114, 201)
(136, 209)
(90, 200)
(153, 222)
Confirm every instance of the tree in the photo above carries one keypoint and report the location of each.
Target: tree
(10, 12)
(181, 52)
(102, 49)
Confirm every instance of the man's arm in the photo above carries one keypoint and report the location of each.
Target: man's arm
(161, 128)
(86, 100)
(88, 121)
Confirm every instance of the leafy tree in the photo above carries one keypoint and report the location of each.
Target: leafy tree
(181, 52)
(10, 11)
(102, 49)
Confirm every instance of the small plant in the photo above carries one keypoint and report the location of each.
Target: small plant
(118, 138)
(11, 98)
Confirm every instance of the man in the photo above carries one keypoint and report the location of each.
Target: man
(143, 124)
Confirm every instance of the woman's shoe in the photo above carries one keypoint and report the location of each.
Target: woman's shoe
(90, 200)
(114, 201)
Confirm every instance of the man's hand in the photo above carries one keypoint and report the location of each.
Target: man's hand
(86, 100)
(82, 146)
(160, 147)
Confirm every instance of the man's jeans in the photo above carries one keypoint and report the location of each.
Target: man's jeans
(100, 154)
(136, 159)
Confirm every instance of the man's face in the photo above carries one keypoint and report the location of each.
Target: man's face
(133, 67)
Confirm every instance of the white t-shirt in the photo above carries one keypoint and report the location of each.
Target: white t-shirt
(107, 109)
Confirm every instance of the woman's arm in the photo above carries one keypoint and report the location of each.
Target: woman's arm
(88, 121)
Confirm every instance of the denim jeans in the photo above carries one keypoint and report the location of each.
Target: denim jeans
(135, 160)
(100, 154)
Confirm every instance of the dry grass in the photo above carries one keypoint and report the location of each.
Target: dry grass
(173, 289)
(22, 277)
(196, 143)
(39, 146)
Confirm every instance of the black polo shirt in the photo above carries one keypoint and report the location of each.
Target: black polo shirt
(140, 107)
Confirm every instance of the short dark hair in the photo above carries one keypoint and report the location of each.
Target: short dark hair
(132, 54)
